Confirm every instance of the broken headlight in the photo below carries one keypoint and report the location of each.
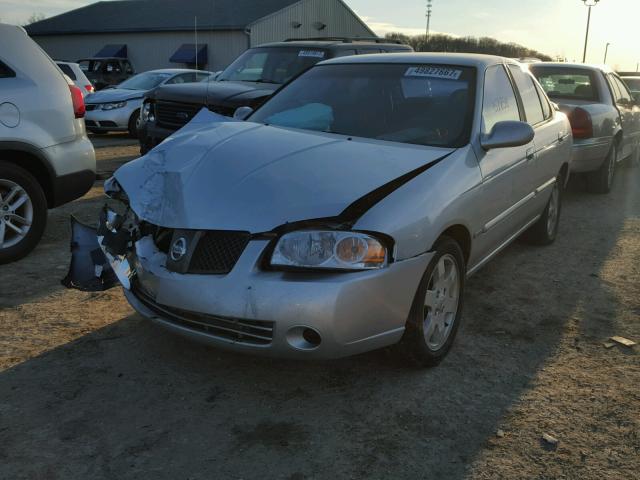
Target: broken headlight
(334, 250)
(113, 189)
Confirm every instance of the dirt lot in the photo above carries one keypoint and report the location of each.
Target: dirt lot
(90, 390)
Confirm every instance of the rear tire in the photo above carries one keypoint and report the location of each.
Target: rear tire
(134, 122)
(437, 307)
(601, 180)
(545, 230)
(23, 207)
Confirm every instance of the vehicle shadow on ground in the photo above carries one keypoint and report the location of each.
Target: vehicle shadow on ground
(132, 401)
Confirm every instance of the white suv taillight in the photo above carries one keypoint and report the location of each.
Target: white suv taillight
(89, 88)
(78, 101)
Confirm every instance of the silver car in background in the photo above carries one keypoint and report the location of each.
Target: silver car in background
(346, 212)
(604, 116)
(117, 109)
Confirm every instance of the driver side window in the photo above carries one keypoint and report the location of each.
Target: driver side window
(499, 102)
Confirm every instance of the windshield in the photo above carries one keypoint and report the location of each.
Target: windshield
(417, 104)
(569, 83)
(632, 83)
(144, 81)
(272, 64)
(90, 65)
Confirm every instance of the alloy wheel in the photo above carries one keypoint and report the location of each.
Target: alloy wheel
(16, 213)
(553, 210)
(441, 302)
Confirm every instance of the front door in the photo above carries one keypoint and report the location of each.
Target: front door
(502, 168)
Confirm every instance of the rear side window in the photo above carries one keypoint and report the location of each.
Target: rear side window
(546, 106)
(499, 103)
(6, 72)
(528, 94)
(625, 96)
(568, 83)
(68, 71)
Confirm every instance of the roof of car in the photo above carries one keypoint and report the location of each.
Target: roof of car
(346, 44)
(460, 59)
(586, 66)
(175, 70)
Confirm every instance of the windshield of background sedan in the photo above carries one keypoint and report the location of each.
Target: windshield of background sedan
(632, 83)
(144, 81)
(416, 104)
(272, 65)
(570, 83)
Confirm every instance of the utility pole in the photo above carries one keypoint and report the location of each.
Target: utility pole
(588, 3)
(606, 51)
(195, 25)
(429, 10)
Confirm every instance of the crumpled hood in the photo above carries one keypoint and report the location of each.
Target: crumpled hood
(114, 95)
(246, 176)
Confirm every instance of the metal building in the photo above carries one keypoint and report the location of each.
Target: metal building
(177, 33)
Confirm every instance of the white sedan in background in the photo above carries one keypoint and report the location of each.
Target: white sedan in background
(117, 109)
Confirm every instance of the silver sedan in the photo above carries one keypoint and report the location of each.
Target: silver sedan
(118, 109)
(345, 214)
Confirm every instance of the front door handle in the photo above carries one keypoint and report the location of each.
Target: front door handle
(531, 154)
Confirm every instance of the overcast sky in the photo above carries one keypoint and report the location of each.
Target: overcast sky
(555, 27)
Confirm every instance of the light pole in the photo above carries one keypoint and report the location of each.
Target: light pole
(606, 51)
(429, 5)
(588, 3)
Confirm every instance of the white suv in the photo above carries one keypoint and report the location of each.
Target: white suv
(46, 159)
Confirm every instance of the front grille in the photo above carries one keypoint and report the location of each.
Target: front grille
(251, 332)
(218, 251)
(175, 115)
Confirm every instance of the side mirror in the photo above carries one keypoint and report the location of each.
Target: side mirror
(242, 113)
(507, 134)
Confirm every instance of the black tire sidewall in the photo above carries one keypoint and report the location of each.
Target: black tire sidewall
(34, 190)
(132, 127)
(413, 345)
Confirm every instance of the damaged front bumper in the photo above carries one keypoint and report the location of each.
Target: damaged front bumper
(255, 310)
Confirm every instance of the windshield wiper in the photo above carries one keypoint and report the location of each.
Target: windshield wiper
(265, 80)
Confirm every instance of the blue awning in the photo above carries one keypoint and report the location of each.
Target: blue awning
(187, 54)
(119, 51)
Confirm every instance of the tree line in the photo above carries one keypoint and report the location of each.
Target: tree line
(486, 45)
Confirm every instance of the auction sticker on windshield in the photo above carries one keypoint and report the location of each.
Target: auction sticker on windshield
(311, 53)
(433, 72)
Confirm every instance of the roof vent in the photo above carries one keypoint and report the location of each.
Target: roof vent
(295, 24)
(319, 25)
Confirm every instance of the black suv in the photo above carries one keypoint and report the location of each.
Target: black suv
(250, 80)
(106, 71)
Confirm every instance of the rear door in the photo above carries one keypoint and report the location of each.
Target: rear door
(543, 163)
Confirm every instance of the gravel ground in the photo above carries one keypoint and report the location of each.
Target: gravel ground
(88, 389)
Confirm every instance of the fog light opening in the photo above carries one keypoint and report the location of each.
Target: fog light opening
(304, 338)
(311, 336)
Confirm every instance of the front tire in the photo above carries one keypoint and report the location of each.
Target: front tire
(545, 230)
(23, 213)
(134, 123)
(437, 307)
(601, 180)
